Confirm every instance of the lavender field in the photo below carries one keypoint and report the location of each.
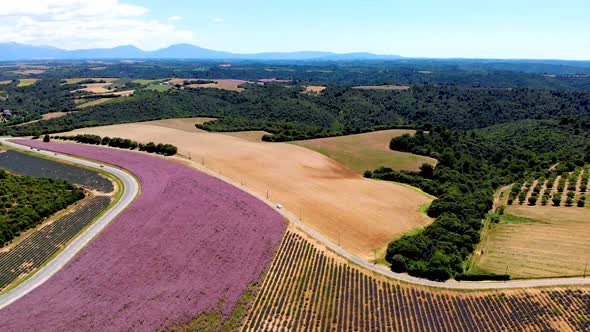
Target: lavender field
(188, 244)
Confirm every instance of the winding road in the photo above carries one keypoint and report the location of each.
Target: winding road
(131, 190)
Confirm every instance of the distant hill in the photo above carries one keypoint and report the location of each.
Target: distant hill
(16, 51)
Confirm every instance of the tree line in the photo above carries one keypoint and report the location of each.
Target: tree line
(471, 166)
(123, 143)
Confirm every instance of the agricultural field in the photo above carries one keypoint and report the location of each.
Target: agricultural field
(26, 82)
(31, 252)
(158, 87)
(382, 87)
(6, 82)
(45, 116)
(314, 89)
(367, 151)
(26, 164)
(145, 82)
(95, 87)
(187, 245)
(223, 84)
(85, 104)
(541, 234)
(81, 79)
(360, 214)
(307, 288)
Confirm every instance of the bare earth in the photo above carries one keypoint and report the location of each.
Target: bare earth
(358, 213)
(367, 151)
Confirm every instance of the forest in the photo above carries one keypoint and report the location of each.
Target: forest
(289, 114)
(456, 72)
(471, 166)
(26, 201)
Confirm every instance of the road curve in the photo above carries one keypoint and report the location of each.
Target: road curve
(130, 191)
(382, 270)
(307, 229)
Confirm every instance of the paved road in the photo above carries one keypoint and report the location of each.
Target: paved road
(382, 270)
(130, 191)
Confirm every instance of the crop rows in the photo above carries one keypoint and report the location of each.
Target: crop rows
(34, 250)
(566, 188)
(307, 289)
(25, 164)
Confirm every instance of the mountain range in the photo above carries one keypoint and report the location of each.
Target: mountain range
(16, 51)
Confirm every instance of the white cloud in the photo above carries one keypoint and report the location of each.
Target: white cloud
(74, 24)
(218, 20)
(174, 18)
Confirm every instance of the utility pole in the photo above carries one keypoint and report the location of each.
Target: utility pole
(203, 161)
(266, 193)
(374, 256)
(189, 156)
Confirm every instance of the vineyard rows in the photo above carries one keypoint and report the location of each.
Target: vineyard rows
(556, 189)
(310, 289)
(35, 249)
(25, 164)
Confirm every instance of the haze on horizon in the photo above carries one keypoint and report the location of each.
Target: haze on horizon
(426, 28)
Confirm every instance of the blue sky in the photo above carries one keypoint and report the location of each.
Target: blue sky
(420, 28)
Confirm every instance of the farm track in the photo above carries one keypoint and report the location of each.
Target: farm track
(129, 192)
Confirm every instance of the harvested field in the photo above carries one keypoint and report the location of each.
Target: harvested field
(145, 82)
(183, 124)
(555, 246)
(382, 87)
(92, 102)
(26, 82)
(314, 89)
(360, 214)
(223, 84)
(80, 79)
(367, 151)
(548, 238)
(28, 71)
(187, 245)
(95, 87)
(307, 288)
(5, 82)
(45, 116)
(252, 135)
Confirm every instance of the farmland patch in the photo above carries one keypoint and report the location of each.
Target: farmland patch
(367, 151)
(345, 207)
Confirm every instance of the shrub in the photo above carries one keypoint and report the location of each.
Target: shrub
(533, 200)
(398, 264)
(46, 138)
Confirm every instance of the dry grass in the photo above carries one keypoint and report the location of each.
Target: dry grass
(367, 151)
(45, 116)
(253, 135)
(80, 79)
(28, 71)
(95, 87)
(93, 102)
(358, 213)
(223, 84)
(382, 87)
(316, 89)
(554, 246)
(26, 81)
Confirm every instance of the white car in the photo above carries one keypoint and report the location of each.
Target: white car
(279, 206)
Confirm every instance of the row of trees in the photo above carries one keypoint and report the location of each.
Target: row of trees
(123, 143)
(289, 114)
